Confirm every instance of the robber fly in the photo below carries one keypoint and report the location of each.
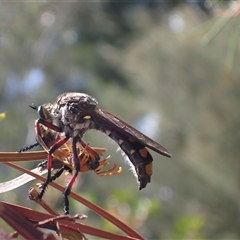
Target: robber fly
(74, 113)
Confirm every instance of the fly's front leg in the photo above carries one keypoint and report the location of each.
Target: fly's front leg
(52, 149)
(46, 124)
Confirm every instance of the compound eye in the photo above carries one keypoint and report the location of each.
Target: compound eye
(42, 112)
(93, 165)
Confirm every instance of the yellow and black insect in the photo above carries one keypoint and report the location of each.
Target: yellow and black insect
(63, 159)
(74, 113)
(88, 161)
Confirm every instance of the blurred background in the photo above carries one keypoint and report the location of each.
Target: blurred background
(170, 69)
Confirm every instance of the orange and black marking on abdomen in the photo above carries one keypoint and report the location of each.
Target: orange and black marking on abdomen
(137, 154)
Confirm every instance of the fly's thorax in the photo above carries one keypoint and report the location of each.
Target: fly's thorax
(76, 115)
(79, 101)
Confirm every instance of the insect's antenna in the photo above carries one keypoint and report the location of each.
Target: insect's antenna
(33, 106)
(24, 149)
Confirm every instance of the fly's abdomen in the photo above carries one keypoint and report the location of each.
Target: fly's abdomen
(137, 154)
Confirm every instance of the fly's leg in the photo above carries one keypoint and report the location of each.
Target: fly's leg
(68, 188)
(59, 173)
(51, 150)
(29, 147)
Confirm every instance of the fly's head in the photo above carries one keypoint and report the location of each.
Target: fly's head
(50, 113)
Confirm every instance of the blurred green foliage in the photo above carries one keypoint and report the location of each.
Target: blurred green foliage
(2, 116)
(132, 57)
(188, 227)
